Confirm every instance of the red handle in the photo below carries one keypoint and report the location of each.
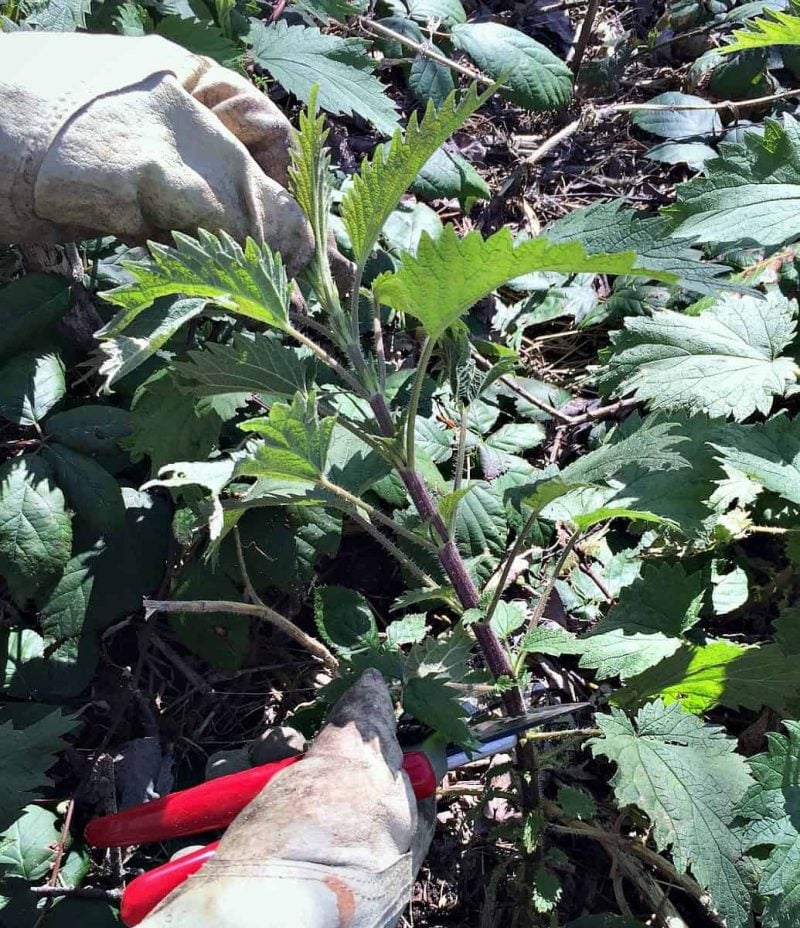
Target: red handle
(215, 804)
(144, 893)
(211, 805)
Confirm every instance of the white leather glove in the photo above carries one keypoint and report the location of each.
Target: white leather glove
(331, 842)
(137, 137)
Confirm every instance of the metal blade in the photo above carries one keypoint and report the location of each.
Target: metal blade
(499, 735)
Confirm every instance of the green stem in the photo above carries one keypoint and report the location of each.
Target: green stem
(328, 360)
(541, 605)
(509, 562)
(413, 404)
(377, 515)
(392, 548)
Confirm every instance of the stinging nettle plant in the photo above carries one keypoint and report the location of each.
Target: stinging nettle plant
(285, 456)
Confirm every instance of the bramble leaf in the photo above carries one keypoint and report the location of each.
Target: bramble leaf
(299, 57)
(35, 529)
(345, 620)
(450, 274)
(724, 362)
(686, 777)
(28, 754)
(31, 384)
(382, 180)
(532, 75)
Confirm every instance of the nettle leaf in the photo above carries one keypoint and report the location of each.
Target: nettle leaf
(28, 754)
(35, 529)
(27, 848)
(751, 192)
(450, 274)
(651, 446)
(91, 429)
(345, 620)
(611, 227)
(583, 521)
(89, 488)
(508, 618)
(382, 180)
(30, 307)
(769, 810)
(724, 362)
(430, 700)
(686, 778)
(720, 673)
(647, 624)
(408, 630)
(31, 384)
(767, 452)
(774, 28)
(149, 331)
(250, 282)
(300, 57)
(294, 444)
(679, 124)
(259, 364)
(446, 656)
(532, 75)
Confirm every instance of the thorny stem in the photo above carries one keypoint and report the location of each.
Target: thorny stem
(413, 403)
(259, 611)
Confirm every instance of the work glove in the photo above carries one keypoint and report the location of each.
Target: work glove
(137, 137)
(332, 842)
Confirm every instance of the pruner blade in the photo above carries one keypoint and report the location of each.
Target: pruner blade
(498, 735)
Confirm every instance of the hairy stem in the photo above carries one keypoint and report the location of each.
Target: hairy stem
(358, 503)
(392, 548)
(413, 403)
(328, 360)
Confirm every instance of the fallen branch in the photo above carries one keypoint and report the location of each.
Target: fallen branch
(210, 606)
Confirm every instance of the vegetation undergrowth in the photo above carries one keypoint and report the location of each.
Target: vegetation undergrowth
(253, 468)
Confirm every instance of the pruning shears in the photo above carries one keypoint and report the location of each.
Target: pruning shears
(214, 804)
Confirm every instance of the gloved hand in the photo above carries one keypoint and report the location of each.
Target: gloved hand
(136, 137)
(332, 842)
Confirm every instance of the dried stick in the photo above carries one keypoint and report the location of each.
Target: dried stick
(579, 48)
(207, 606)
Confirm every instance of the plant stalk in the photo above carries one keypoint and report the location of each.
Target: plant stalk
(413, 403)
